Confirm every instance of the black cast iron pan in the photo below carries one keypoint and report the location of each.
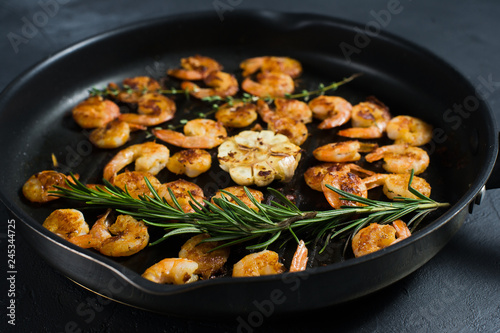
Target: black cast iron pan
(35, 122)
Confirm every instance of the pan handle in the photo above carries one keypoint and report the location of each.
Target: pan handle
(494, 180)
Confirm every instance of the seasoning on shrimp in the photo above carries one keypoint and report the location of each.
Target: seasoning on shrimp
(191, 162)
(95, 112)
(240, 193)
(265, 262)
(198, 133)
(315, 174)
(209, 259)
(369, 120)
(237, 114)
(400, 158)
(334, 111)
(343, 151)
(184, 193)
(172, 271)
(37, 188)
(115, 134)
(269, 84)
(134, 183)
(378, 236)
(196, 67)
(66, 223)
(396, 185)
(149, 157)
(409, 130)
(134, 88)
(346, 181)
(153, 109)
(285, 65)
(219, 84)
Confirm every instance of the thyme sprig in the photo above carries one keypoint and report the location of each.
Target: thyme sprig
(230, 220)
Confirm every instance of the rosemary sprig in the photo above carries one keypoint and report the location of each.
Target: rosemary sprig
(233, 222)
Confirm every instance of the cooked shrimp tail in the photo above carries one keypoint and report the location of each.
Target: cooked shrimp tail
(299, 261)
(172, 271)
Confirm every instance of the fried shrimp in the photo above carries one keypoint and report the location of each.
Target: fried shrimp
(191, 162)
(135, 88)
(334, 111)
(269, 84)
(369, 120)
(240, 193)
(378, 236)
(401, 158)
(134, 183)
(125, 237)
(210, 260)
(409, 130)
(345, 181)
(196, 67)
(315, 174)
(172, 271)
(237, 114)
(95, 112)
(219, 83)
(299, 260)
(182, 189)
(37, 187)
(153, 109)
(396, 185)
(293, 108)
(293, 129)
(66, 223)
(149, 157)
(115, 134)
(257, 264)
(345, 151)
(198, 133)
(284, 65)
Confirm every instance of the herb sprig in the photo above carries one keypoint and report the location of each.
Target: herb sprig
(231, 221)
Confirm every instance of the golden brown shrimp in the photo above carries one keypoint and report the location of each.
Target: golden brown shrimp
(135, 88)
(220, 84)
(369, 120)
(196, 67)
(134, 182)
(409, 130)
(293, 108)
(345, 181)
(257, 264)
(396, 185)
(333, 110)
(191, 162)
(66, 223)
(344, 151)
(299, 260)
(153, 109)
(209, 261)
(237, 114)
(95, 112)
(115, 134)
(181, 189)
(269, 84)
(401, 158)
(284, 65)
(293, 129)
(315, 174)
(37, 187)
(172, 271)
(378, 236)
(125, 237)
(240, 193)
(149, 157)
(198, 133)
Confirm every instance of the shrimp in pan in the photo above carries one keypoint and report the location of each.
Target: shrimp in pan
(191, 162)
(240, 193)
(344, 151)
(198, 133)
(409, 130)
(66, 223)
(134, 182)
(299, 260)
(369, 120)
(218, 84)
(285, 65)
(260, 263)
(38, 186)
(114, 134)
(334, 111)
(237, 114)
(135, 88)
(346, 181)
(149, 157)
(184, 193)
(194, 68)
(315, 174)
(378, 236)
(210, 260)
(396, 185)
(400, 158)
(153, 109)
(269, 84)
(172, 271)
(293, 108)
(95, 112)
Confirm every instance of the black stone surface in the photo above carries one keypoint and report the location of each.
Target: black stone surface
(457, 291)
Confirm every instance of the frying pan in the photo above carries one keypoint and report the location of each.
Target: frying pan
(35, 123)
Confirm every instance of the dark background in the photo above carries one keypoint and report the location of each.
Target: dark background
(457, 291)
